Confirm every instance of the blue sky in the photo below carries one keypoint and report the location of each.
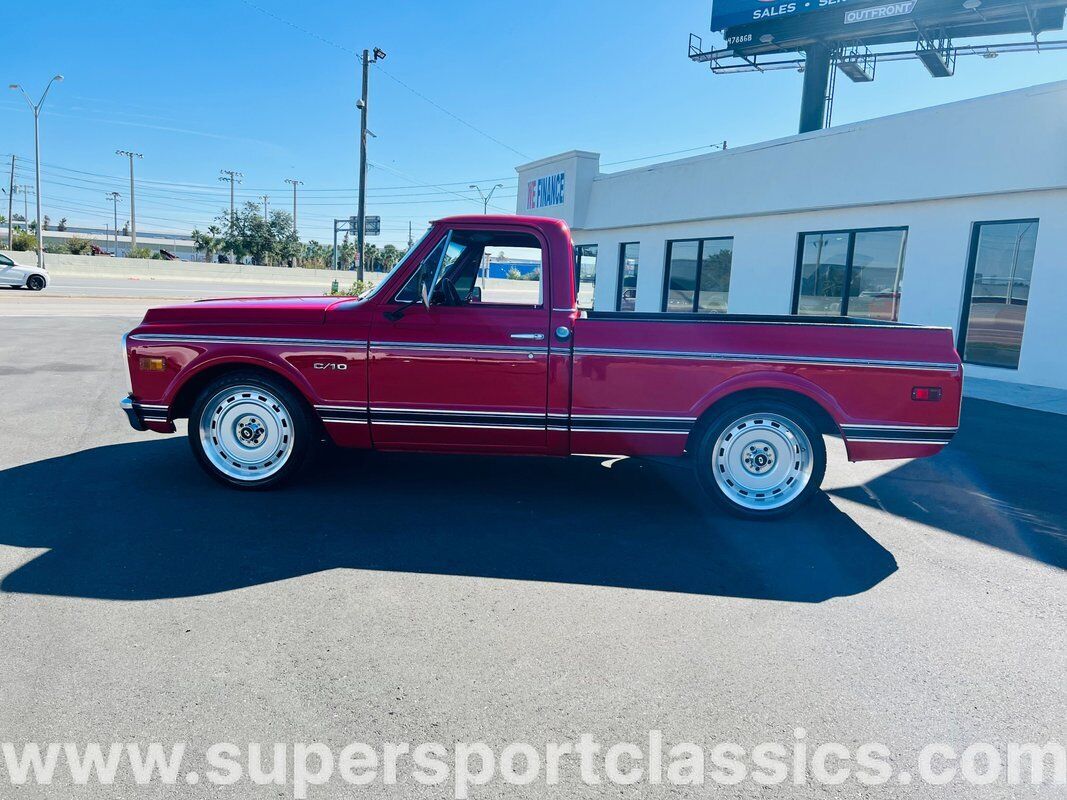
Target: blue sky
(203, 86)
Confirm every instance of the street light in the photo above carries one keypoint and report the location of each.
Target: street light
(486, 197)
(37, 157)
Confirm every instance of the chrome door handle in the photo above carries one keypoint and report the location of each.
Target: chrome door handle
(535, 336)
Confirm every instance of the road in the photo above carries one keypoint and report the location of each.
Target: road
(417, 598)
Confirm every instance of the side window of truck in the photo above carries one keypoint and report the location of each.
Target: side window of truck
(486, 268)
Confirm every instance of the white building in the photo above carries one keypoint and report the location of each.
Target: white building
(954, 215)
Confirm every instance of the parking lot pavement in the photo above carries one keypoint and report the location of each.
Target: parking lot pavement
(443, 598)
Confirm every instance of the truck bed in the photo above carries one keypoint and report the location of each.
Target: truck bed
(641, 382)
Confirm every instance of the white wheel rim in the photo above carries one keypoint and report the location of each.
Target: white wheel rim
(762, 461)
(246, 433)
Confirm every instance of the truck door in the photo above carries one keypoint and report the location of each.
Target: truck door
(471, 371)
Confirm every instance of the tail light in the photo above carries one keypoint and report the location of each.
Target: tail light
(926, 393)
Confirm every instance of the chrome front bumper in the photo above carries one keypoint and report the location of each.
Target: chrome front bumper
(139, 415)
(132, 414)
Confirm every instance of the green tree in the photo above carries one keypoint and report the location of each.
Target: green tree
(390, 256)
(139, 252)
(62, 226)
(211, 242)
(23, 240)
(248, 235)
(79, 246)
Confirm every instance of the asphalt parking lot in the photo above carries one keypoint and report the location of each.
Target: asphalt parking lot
(444, 598)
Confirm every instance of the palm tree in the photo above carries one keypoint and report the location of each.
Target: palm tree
(210, 242)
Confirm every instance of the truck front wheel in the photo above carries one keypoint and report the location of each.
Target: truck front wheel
(250, 431)
(760, 459)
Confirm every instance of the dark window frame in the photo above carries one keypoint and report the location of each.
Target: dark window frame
(578, 270)
(968, 288)
(851, 252)
(622, 265)
(700, 266)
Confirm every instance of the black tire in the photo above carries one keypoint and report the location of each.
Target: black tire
(283, 416)
(35, 283)
(712, 457)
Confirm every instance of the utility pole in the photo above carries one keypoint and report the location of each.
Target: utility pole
(10, 200)
(379, 54)
(233, 177)
(25, 191)
(264, 198)
(486, 197)
(410, 240)
(294, 183)
(133, 215)
(37, 158)
(114, 198)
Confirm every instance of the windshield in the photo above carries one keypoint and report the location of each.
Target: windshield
(385, 279)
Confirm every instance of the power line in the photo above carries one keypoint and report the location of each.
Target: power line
(394, 78)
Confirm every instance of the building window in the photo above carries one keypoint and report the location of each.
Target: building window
(698, 275)
(629, 255)
(850, 273)
(585, 274)
(999, 267)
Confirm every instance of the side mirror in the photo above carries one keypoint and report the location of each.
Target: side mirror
(476, 294)
(424, 290)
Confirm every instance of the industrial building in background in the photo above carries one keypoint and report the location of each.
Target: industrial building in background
(822, 38)
(923, 217)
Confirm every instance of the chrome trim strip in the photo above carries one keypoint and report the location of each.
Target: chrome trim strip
(275, 340)
(768, 359)
(627, 430)
(631, 416)
(146, 405)
(902, 441)
(459, 412)
(901, 427)
(458, 348)
(347, 421)
(459, 425)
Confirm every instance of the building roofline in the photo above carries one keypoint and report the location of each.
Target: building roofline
(1040, 88)
(558, 157)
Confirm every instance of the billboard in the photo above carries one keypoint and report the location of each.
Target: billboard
(754, 27)
(732, 13)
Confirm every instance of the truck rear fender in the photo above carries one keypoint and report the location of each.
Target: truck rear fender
(823, 409)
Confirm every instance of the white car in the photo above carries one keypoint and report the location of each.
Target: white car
(21, 276)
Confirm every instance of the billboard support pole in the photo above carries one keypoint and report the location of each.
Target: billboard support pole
(816, 81)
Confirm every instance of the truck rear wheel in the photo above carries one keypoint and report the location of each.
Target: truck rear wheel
(760, 459)
(250, 431)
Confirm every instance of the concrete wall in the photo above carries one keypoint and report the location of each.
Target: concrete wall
(105, 267)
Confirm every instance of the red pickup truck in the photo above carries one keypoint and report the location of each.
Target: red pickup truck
(440, 357)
